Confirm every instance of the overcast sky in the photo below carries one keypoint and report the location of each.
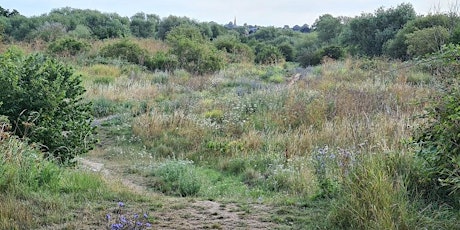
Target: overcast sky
(253, 12)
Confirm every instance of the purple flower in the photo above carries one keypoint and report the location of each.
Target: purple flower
(121, 204)
(123, 220)
(116, 226)
(148, 225)
(136, 216)
(146, 216)
(138, 223)
(107, 216)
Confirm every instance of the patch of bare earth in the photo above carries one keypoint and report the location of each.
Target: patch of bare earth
(186, 213)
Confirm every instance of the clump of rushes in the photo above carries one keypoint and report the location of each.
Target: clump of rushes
(122, 219)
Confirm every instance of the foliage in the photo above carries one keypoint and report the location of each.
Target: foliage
(43, 99)
(438, 138)
(426, 41)
(374, 196)
(68, 46)
(143, 25)
(397, 47)
(328, 28)
(162, 61)
(193, 52)
(268, 54)
(236, 50)
(367, 34)
(125, 49)
(169, 23)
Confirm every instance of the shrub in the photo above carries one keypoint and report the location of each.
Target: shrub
(268, 54)
(235, 50)
(194, 53)
(125, 50)
(438, 138)
(43, 99)
(68, 46)
(162, 61)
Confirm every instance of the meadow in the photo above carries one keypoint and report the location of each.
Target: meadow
(323, 147)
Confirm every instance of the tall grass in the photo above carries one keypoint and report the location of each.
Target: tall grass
(374, 197)
(35, 192)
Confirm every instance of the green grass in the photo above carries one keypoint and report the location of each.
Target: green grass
(36, 192)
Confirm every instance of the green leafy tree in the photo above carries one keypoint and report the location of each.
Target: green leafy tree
(43, 100)
(170, 23)
(144, 25)
(368, 34)
(397, 47)
(328, 28)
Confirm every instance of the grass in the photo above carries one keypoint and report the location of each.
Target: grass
(327, 152)
(36, 192)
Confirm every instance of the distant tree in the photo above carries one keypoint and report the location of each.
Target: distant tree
(425, 41)
(20, 27)
(169, 23)
(107, 25)
(49, 31)
(328, 28)
(143, 25)
(217, 30)
(305, 29)
(368, 33)
(80, 31)
(398, 47)
(7, 13)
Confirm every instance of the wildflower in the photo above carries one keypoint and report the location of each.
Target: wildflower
(121, 204)
(138, 223)
(107, 216)
(148, 225)
(136, 216)
(123, 220)
(146, 216)
(116, 226)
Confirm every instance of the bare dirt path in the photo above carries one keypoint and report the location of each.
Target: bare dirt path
(185, 213)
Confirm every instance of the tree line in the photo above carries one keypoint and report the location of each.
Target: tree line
(396, 32)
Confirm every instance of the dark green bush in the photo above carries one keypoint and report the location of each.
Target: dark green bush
(194, 53)
(43, 99)
(125, 50)
(68, 46)
(268, 54)
(162, 61)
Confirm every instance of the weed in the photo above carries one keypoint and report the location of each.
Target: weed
(120, 219)
(177, 178)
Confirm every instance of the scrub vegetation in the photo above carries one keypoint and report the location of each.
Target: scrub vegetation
(111, 122)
